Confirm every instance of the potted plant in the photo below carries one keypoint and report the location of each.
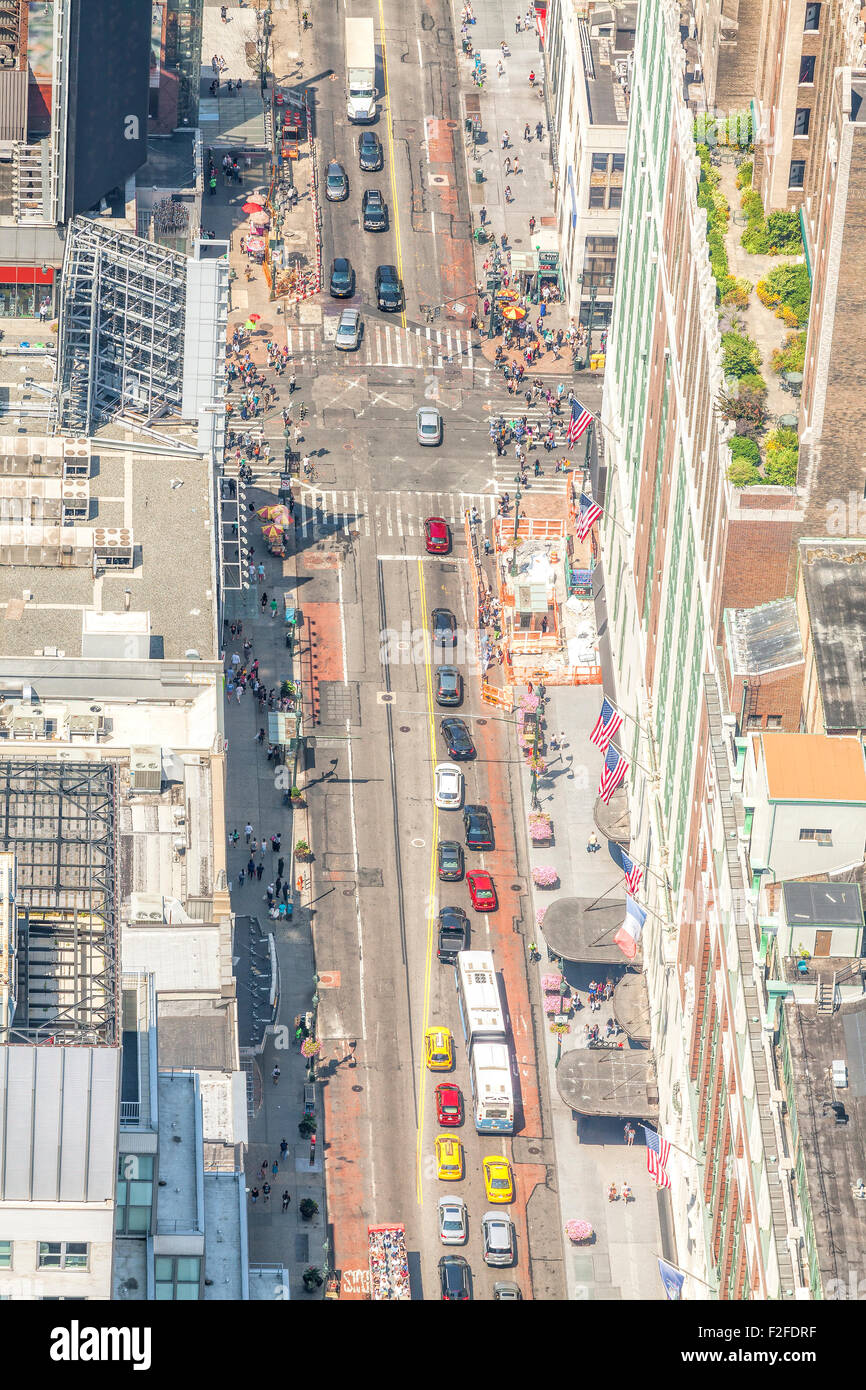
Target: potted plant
(302, 849)
(297, 796)
(312, 1279)
(545, 876)
(307, 1126)
(308, 1208)
(578, 1231)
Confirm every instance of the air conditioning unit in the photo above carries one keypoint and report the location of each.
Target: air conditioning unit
(75, 501)
(113, 546)
(145, 767)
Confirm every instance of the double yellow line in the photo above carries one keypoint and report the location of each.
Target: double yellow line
(388, 122)
(431, 894)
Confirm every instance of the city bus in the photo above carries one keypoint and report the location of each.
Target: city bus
(483, 1023)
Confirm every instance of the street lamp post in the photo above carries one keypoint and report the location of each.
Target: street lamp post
(592, 294)
(517, 496)
(495, 280)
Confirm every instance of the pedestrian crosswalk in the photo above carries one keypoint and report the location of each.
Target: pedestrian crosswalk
(390, 345)
(382, 514)
(505, 465)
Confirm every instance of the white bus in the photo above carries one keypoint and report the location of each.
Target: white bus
(484, 1030)
(492, 1090)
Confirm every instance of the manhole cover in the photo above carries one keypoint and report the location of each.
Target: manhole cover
(405, 729)
(348, 892)
(534, 1150)
(480, 721)
(417, 843)
(357, 1088)
(515, 887)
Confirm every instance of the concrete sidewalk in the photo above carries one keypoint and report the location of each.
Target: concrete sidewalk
(590, 1154)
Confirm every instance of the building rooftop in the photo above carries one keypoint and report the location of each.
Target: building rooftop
(826, 904)
(763, 639)
(225, 1236)
(159, 507)
(834, 580)
(607, 43)
(181, 1164)
(814, 767)
(197, 1033)
(184, 959)
(834, 1154)
(170, 162)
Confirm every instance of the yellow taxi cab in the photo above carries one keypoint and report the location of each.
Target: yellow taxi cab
(439, 1049)
(498, 1182)
(449, 1158)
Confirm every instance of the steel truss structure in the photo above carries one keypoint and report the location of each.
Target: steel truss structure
(121, 338)
(59, 819)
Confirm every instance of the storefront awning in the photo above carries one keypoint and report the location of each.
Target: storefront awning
(541, 22)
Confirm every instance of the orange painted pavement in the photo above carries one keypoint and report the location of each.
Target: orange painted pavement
(345, 1174)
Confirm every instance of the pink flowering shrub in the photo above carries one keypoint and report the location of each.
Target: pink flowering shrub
(545, 876)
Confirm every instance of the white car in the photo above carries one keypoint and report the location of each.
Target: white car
(348, 330)
(448, 781)
(429, 425)
(453, 1221)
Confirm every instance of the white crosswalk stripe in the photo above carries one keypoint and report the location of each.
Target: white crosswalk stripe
(505, 466)
(381, 514)
(389, 345)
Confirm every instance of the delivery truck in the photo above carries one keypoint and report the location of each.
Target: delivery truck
(361, 70)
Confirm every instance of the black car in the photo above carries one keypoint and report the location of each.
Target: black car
(453, 934)
(449, 686)
(389, 287)
(342, 278)
(458, 739)
(478, 827)
(449, 856)
(444, 626)
(374, 213)
(370, 151)
(454, 1278)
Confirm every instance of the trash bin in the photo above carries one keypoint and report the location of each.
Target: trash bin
(479, 175)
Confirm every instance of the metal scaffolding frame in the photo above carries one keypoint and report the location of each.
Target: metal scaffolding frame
(122, 321)
(59, 819)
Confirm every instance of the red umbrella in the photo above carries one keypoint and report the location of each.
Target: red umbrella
(252, 206)
(255, 317)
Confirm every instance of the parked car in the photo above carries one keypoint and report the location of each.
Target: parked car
(453, 1221)
(503, 1289)
(370, 156)
(449, 1104)
(342, 282)
(449, 686)
(449, 857)
(336, 183)
(449, 1158)
(389, 288)
(454, 1278)
(439, 1049)
(444, 626)
(498, 1182)
(348, 330)
(429, 425)
(458, 739)
(482, 893)
(447, 786)
(478, 826)
(437, 537)
(498, 1238)
(374, 212)
(453, 934)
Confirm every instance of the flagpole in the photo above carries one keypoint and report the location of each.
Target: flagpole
(611, 518)
(600, 896)
(679, 1269)
(633, 762)
(694, 1158)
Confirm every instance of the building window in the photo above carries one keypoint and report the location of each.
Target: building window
(797, 174)
(614, 197)
(820, 837)
(601, 246)
(177, 1278)
(599, 163)
(813, 19)
(134, 1194)
(5, 1254)
(596, 197)
(802, 116)
(807, 69)
(63, 1254)
(753, 721)
(774, 721)
(617, 163)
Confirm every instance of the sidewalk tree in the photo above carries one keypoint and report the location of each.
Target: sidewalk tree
(308, 1208)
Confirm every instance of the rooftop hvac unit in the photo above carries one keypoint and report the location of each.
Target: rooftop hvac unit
(113, 546)
(145, 767)
(75, 500)
(179, 844)
(86, 724)
(30, 725)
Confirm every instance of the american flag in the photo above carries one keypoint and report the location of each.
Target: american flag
(657, 1153)
(607, 724)
(587, 516)
(613, 772)
(633, 874)
(580, 421)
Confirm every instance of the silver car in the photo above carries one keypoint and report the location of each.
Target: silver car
(497, 1233)
(503, 1289)
(336, 183)
(453, 1221)
(429, 425)
(348, 330)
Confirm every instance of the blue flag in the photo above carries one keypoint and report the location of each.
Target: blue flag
(672, 1279)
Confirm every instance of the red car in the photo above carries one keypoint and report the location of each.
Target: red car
(481, 890)
(449, 1104)
(437, 537)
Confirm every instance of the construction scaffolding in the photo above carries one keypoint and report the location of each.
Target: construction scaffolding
(121, 333)
(59, 821)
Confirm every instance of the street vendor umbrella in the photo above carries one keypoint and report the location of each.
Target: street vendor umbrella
(513, 312)
(255, 243)
(254, 318)
(272, 532)
(252, 206)
(271, 511)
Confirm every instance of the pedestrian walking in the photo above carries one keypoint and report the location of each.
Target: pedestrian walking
(505, 140)
(286, 1199)
(260, 868)
(266, 1191)
(241, 879)
(275, 1075)
(286, 891)
(260, 570)
(254, 1195)
(275, 1168)
(264, 602)
(284, 1149)
(531, 225)
(508, 164)
(539, 131)
(526, 134)
(273, 607)
(518, 25)
(280, 863)
(629, 1134)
